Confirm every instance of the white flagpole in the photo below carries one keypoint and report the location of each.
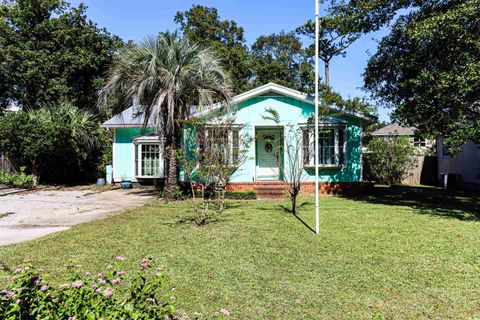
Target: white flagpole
(317, 214)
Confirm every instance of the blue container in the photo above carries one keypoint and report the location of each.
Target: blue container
(126, 184)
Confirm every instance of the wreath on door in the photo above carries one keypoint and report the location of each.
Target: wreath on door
(268, 147)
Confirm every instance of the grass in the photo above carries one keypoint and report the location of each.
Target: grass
(399, 253)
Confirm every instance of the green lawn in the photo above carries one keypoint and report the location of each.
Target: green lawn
(400, 253)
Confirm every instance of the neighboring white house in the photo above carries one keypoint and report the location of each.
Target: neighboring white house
(398, 130)
(463, 168)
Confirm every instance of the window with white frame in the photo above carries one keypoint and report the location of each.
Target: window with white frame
(419, 142)
(331, 146)
(148, 160)
(221, 141)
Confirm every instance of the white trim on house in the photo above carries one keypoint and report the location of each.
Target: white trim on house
(114, 147)
(284, 91)
(336, 144)
(230, 141)
(137, 144)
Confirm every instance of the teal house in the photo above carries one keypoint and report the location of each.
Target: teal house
(137, 153)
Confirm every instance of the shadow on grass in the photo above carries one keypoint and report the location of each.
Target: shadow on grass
(299, 207)
(457, 204)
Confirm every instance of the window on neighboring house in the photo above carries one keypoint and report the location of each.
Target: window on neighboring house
(331, 146)
(419, 142)
(148, 160)
(220, 142)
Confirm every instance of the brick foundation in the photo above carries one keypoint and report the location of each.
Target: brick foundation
(307, 187)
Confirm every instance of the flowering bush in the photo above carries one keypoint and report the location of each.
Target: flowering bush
(88, 296)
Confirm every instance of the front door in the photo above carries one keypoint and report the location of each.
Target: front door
(268, 143)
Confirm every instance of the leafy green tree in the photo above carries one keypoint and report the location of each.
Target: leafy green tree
(334, 39)
(27, 141)
(56, 142)
(428, 67)
(169, 75)
(280, 58)
(50, 52)
(389, 159)
(203, 25)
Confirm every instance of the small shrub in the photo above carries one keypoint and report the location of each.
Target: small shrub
(390, 159)
(88, 296)
(17, 180)
(248, 195)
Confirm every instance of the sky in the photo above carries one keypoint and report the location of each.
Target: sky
(133, 20)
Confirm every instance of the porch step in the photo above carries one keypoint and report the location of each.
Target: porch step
(270, 189)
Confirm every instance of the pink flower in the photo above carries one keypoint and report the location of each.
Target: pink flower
(87, 273)
(94, 285)
(28, 268)
(121, 273)
(19, 301)
(98, 290)
(174, 289)
(151, 300)
(18, 271)
(108, 292)
(116, 281)
(43, 288)
(109, 267)
(77, 284)
(120, 258)
(225, 312)
(72, 318)
(102, 281)
(144, 264)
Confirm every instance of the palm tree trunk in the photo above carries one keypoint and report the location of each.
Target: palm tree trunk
(171, 182)
(172, 174)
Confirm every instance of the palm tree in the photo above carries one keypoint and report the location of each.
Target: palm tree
(82, 132)
(168, 74)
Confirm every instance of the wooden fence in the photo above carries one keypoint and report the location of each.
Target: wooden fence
(425, 172)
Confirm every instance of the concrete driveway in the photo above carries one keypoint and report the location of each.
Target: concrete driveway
(33, 215)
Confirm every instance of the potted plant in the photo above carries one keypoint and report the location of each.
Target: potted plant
(125, 183)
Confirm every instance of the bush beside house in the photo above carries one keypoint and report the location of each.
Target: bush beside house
(389, 159)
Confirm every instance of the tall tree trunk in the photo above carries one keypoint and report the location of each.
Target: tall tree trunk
(171, 182)
(327, 73)
(294, 204)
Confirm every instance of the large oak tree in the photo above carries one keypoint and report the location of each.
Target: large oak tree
(428, 67)
(204, 26)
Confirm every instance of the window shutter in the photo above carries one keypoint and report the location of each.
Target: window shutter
(341, 146)
(306, 147)
(136, 160)
(235, 146)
